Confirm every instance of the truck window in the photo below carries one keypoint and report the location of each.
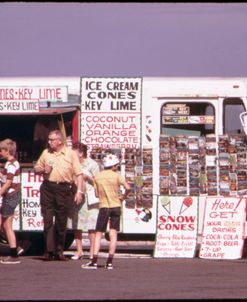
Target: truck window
(232, 107)
(188, 118)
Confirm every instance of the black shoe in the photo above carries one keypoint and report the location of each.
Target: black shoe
(48, 256)
(89, 265)
(61, 257)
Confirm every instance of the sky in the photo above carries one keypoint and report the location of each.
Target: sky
(123, 39)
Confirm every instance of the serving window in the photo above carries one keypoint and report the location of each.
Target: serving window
(189, 118)
(30, 132)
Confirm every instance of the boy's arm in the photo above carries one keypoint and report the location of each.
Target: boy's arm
(127, 190)
(5, 186)
(96, 190)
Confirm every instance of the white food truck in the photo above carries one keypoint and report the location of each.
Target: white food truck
(174, 137)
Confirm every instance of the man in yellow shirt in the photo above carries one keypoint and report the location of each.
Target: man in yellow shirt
(107, 187)
(58, 164)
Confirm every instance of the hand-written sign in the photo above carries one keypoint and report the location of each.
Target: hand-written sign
(110, 112)
(19, 106)
(25, 99)
(223, 228)
(176, 235)
(30, 204)
(29, 93)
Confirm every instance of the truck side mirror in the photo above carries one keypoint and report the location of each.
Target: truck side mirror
(243, 119)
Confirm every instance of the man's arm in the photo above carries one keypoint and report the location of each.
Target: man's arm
(80, 188)
(42, 170)
(41, 167)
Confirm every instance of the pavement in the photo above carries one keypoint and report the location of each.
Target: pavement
(125, 249)
(131, 279)
(136, 276)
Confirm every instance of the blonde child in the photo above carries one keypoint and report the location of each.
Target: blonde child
(11, 196)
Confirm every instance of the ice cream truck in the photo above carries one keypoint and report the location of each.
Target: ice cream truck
(175, 137)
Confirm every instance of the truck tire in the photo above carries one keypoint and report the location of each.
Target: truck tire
(69, 239)
(4, 247)
(35, 244)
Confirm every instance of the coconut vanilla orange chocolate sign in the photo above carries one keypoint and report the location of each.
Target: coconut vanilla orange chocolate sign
(223, 228)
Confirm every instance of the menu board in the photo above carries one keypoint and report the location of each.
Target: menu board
(111, 112)
(176, 235)
(223, 228)
(30, 201)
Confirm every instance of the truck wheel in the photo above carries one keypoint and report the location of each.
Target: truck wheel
(4, 247)
(3, 239)
(31, 242)
(36, 245)
(69, 240)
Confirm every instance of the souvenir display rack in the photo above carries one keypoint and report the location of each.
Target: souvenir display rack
(136, 166)
(211, 165)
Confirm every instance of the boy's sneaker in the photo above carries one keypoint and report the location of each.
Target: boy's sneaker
(89, 265)
(109, 266)
(11, 260)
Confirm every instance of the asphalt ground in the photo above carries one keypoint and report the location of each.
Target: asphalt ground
(131, 279)
(136, 276)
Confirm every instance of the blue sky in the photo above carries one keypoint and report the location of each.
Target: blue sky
(123, 39)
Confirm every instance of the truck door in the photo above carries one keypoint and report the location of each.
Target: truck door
(180, 120)
(185, 126)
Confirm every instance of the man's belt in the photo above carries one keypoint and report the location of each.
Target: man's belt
(58, 182)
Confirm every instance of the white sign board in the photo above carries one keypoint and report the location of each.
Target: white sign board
(19, 106)
(110, 112)
(46, 93)
(25, 99)
(176, 235)
(30, 203)
(138, 220)
(223, 228)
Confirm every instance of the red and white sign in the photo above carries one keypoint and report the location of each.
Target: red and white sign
(19, 106)
(30, 202)
(110, 112)
(28, 93)
(223, 228)
(176, 235)
(25, 99)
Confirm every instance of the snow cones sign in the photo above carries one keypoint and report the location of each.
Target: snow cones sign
(176, 235)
